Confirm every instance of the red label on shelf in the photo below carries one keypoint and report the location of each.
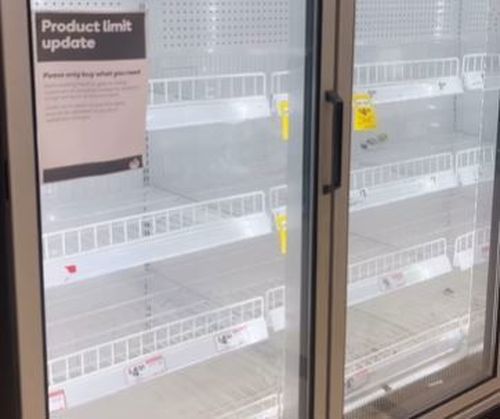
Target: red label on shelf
(57, 401)
(72, 269)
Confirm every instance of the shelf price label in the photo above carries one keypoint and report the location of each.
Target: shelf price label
(365, 113)
(284, 113)
(232, 339)
(282, 227)
(148, 368)
(57, 401)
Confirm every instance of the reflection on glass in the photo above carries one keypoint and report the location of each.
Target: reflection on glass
(166, 281)
(422, 204)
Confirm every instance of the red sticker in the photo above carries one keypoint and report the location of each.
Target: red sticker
(71, 269)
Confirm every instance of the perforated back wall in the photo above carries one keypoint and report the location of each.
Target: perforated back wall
(86, 5)
(406, 20)
(219, 24)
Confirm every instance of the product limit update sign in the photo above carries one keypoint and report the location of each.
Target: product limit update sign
(91, 93)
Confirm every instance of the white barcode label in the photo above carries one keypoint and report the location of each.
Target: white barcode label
(146, 369)
(57, 401)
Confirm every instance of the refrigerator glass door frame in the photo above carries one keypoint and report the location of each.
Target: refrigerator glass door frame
(460, 403)
(20, 129)
(23, 283)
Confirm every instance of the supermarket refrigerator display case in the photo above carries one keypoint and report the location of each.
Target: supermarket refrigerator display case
(177, 285)
(269, 209)
(423, 201)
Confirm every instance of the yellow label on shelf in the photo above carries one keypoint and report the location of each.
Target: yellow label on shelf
(365, 113)
(282, 226)
(284, 113)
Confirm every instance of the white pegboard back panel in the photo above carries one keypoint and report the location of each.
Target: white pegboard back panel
(87, 5)
(180, 25)
(480, 17)
(381, 21)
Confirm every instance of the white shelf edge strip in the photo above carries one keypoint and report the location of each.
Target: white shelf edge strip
(149, 225)
(106, 356)
(390, 272)
(181, 90)
(472, 248)
(407, 345)
(481, 71)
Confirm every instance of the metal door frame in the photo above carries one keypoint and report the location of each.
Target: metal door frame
(25, 279)
(337, 71)
(20, 131)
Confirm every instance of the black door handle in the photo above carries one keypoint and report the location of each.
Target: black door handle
(337, 129)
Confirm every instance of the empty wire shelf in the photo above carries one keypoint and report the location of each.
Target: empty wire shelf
(95, 249)
(190, 101)
(396, 81)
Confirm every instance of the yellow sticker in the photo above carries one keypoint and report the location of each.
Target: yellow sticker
(282, 226)
(284, 113)
(365, 113)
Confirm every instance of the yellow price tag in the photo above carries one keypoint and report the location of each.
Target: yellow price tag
(284, 113)
(365, 113)
(282, 226)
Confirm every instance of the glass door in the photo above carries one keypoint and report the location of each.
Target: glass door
(422, 283)
(174, 159)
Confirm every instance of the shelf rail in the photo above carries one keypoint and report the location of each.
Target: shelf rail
(175, 91)
(393, 72)
(394, 262)
(121, 351)
(150, 225)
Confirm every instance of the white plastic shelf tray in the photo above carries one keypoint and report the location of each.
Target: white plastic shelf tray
(472, 248)
(96, 249)
(393, 182)
(476, 165)
(396, 81)
(92, 373)
(190, 101)
(391, 272)
(481, 71)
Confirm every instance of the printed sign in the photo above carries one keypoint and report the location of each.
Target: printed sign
(146, 369)
(365, 113)
(91, 93)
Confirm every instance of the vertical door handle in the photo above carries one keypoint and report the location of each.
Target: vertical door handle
(337, 129)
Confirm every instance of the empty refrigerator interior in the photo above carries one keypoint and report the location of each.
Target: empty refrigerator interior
(165, 285)
(421, 199)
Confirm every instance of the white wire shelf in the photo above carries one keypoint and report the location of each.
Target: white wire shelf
(109, 367)
(280, 88)
(392, 182)
(472, 248)
(481, 71)
(476, 165)
(190, 101)
(275, 308)
(99, 248)
(396, 81)
(422, 348)
(388, 273)
(278, 198)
